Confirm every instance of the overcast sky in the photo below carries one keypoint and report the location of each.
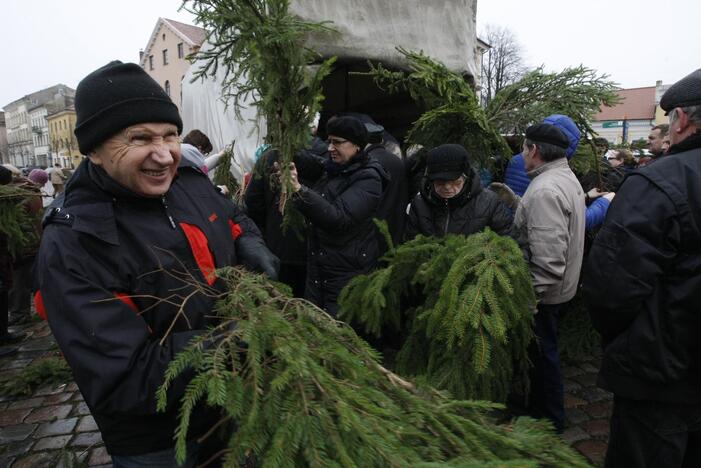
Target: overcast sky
(637, 42)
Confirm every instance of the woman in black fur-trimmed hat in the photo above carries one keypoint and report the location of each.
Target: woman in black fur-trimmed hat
(452, 200)
(343, 241)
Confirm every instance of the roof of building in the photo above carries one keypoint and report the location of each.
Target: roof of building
(41, 97)
(636, 104)
(193, 35)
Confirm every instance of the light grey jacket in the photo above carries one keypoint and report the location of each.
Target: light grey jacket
(552, 216)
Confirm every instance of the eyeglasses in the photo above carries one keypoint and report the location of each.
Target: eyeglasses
(336, 142)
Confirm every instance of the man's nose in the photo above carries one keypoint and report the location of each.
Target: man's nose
(161, 153)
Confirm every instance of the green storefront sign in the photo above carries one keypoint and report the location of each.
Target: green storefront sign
(613, 124)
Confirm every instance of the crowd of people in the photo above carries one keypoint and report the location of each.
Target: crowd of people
(139, 231)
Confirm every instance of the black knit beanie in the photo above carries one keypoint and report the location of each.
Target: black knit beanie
(349, 128)
(447, 162)
(116, 96)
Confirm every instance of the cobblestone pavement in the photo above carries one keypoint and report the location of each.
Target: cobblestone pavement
(54, 424)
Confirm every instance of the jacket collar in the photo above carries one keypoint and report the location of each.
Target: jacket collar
(691, 142)
(556, 164)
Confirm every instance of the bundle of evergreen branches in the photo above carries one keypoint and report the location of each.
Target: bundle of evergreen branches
(224, 176)
(304, 390)
(261, 47)
(453, 114)
(16, 223)
(464, 306)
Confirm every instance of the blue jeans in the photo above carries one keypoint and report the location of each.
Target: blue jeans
(547, 393)
(162, 459)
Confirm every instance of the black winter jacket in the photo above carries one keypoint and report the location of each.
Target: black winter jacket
(473, 209)
(396, 196)
(262, 200)
(102, 263)
(343, 239)
(643, 281)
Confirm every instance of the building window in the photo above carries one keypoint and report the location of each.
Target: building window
(180, 50)
(168, 87)
(150, 62)
(165, 56)
(163, 37)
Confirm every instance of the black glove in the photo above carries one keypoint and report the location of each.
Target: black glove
(255, 255)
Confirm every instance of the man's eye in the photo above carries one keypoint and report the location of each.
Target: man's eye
(140, 139)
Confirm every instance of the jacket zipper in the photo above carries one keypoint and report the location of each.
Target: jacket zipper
(447, 218)
(165, 208)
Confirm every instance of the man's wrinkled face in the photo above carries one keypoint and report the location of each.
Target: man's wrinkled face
(143, 158)
(528, 153)
(654, 142)
(448, 188)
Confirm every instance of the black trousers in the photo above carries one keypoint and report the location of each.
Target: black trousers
(654, 434)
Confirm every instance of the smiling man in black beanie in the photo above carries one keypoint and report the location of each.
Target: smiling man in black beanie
(131, 219)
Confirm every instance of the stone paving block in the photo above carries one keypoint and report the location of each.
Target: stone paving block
(37, 460)
(62, 426)
(87, 423)
(87, 439)
(17, 364)
(53, 443)
(574, 434)
(17, 448)
(573, 402)
(589, 368)
(594, 450)
(14, 417)
(72, 387)
(26, 403)
(99, 456)
(576, 416)
(58, 398)
(571, 386)
(6, 461)
(40, 344)
(16, 433)
(571, 371)
(586, 380)
(72, 459)
(597, 427)
(49, 413)
(9, 374)
(81, 409)
(51, 390)
(594, 394)
(599, 410)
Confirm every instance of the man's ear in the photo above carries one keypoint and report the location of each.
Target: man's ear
(94, 158)
(682, 119)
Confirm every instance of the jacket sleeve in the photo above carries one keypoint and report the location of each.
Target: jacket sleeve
(251, 250)
(411, 228)
(630, 255)
(515, 176)
(502, 221)
(548, 239)
(255, 195)
(355, 204)
(116, 362)
(596, 212)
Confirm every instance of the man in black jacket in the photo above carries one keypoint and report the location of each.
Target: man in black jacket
(452, 200)
(127, 265)
(643, 287)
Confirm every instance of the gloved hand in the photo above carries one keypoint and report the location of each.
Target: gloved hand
(255, 255)
(507, 195)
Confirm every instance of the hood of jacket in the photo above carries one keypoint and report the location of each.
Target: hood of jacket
(569, 128)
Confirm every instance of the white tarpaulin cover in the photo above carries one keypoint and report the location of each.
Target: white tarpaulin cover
(369, 29)
(372, 29)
